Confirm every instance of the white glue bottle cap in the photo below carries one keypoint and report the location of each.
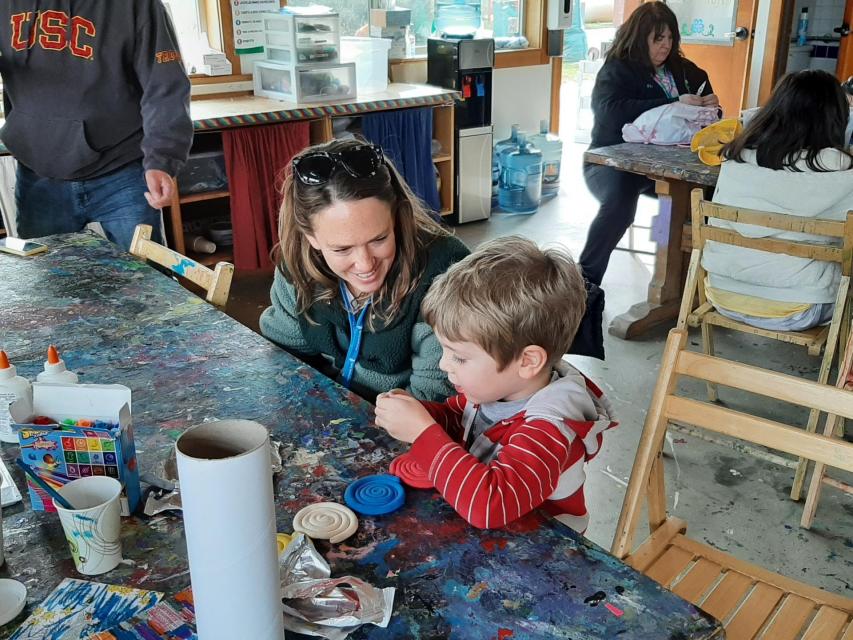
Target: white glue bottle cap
(12, 388)
(54, 369)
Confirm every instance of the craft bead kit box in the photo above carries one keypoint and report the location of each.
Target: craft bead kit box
(74, 431)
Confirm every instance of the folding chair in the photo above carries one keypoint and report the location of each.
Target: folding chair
(216, 282)
(750, 601)
(823, 338)
(833, 424)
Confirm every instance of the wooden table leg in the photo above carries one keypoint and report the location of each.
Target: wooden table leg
(665, 289)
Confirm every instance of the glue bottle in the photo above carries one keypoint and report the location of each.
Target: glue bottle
(12, 387)
(54, 369)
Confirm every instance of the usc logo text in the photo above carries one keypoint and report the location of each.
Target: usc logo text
(49, 29)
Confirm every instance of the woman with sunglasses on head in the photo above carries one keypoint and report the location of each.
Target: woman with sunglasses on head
(644, 69)
(357, 254)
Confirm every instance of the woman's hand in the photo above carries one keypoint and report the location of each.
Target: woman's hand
(711, 100)
(401, 415)
(689, 98)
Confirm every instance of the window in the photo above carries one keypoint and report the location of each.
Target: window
(504, 18)
(423, 12)
(187, 22)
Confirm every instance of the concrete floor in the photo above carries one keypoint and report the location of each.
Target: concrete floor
(735, 501)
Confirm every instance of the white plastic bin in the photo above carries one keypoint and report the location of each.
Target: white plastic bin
(371, 62)
(304, 82)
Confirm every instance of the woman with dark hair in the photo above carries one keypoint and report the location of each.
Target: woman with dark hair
(644, 69)
(356, 255)
(791, 159)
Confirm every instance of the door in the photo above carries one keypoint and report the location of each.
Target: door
(718, 36)
(845, 53)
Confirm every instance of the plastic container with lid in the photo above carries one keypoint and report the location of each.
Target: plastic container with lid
(12, 388)
(370, 56)
(304, 82)
(521, 188)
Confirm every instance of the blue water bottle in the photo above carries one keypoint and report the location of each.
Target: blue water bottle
(521, 185)
(552, 154)
(803, 27)
(508, 144)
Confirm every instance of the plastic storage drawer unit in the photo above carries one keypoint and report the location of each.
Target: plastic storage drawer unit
(295, 39)
(305, 83)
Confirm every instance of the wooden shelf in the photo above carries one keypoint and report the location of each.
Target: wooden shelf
(320, 130)
(210, 259)
(206, 195)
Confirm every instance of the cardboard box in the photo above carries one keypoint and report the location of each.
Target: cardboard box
(402, 45)
(60, 453)
(390, 17)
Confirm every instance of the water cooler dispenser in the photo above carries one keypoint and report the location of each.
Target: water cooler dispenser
(466, 66)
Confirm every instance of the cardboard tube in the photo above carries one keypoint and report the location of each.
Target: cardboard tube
(229, 519)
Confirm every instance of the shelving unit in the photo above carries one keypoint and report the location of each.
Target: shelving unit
(442, 130)
(320, 131)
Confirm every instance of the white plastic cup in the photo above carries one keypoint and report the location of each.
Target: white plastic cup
(93, 527)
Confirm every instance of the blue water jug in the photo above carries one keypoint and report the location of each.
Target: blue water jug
(552, 154)
(501, 146)
(521, 182)
(456, 18)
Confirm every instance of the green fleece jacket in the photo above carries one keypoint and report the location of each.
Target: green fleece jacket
(402, 354)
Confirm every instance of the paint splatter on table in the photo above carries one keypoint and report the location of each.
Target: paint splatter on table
(655, 161)
(116, 320)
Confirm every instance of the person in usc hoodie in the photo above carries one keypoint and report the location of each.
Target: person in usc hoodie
(96, 103)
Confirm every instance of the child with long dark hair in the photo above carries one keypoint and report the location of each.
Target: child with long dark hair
(792, 159)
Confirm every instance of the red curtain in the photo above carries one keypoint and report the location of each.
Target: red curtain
(255, 160)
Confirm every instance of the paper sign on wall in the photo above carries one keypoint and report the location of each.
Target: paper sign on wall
(705, 21)
(248, 25)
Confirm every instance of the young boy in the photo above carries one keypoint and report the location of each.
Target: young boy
(519, 433)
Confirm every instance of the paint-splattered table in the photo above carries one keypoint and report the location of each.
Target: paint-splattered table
(117, 320)
(676, 171)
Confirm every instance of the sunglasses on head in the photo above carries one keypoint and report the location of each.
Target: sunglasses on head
(317, 167)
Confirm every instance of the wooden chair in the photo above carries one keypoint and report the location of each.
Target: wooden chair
(817, 339)
(750, 601)
(819, 477)
(215, 282)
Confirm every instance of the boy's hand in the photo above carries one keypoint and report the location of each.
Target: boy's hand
(402, 416)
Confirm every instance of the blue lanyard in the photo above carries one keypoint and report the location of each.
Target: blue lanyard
(356, 327)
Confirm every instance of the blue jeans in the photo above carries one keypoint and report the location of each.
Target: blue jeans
(115, 200)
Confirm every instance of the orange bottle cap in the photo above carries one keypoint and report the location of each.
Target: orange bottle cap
(4, 360)
(52, 355)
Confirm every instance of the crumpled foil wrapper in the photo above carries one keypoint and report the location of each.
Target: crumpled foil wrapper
(165, 494)
(318, 605)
